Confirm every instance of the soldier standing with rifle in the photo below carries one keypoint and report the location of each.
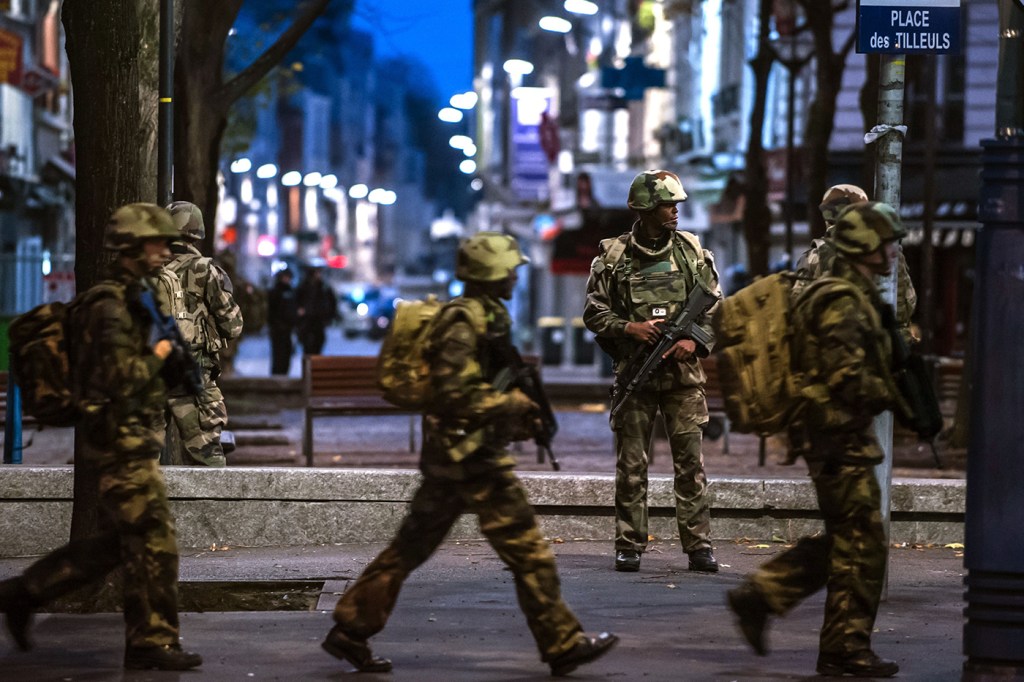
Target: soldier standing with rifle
(640, 280)
(467, 468)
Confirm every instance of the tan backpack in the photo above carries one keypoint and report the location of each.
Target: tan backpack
(403, 373)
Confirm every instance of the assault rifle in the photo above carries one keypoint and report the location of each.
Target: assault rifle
(914, 381)
(180, 368)
(646, 358)
(517, 373)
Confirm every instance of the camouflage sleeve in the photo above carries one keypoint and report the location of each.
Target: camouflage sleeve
(705, 321)
(906, 296)
(598, 315)
(458, 385)
(848, 366)
(118, 369)
(227, 316)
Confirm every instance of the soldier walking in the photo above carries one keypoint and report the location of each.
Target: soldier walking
(640, 278)
(118, 375)
(467, 468)
(843, 351)
(211, 319)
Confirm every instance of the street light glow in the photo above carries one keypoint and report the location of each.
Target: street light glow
(329, 181)
(266, 171)
(469, 149)
(517, 67)
(358, 191)
(450, 115)
(555, 24)
(460, 141)
(580, 7)
(376, 195)
(241, 165)
(291, 178)
(468, 166)
(464, 100)
(312, 179)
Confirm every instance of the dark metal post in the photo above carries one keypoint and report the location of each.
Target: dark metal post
(165, 112)
(994, 526)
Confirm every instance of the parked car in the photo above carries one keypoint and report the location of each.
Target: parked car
(367, 311)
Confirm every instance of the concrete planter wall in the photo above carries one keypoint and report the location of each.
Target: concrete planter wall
(298, 506)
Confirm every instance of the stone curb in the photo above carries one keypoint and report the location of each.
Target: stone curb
(281, 506)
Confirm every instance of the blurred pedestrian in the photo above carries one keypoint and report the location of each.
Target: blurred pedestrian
(281, 316)
(639, 279)
(843, 350)
(117, 373)
(210, 319)
(467, 468)
(317, 307)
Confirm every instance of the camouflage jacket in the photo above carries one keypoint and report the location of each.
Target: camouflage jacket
(115, 370)
(819, 259)
(463, 429)
(208, 297)
(641, 284)
(844, 354)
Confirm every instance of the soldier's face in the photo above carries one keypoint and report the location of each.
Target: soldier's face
(507, 285)
(667, 216)
(880, 260)
(155, 254)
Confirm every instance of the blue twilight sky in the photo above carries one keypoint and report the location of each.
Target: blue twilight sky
(439, 33)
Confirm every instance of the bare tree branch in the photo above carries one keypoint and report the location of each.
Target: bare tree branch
(231, 91)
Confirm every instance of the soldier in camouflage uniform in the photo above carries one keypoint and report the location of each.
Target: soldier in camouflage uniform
(843, 352)
(117, 374)
(466, 468)
(639, 278)
(818, 259)
(213, 319)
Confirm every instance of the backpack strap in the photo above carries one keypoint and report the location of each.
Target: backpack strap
(470, 309)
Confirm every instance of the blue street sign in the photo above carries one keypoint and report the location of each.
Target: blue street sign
(634, 77)
(908, 26)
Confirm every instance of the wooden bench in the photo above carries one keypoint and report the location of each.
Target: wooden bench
(344, 386)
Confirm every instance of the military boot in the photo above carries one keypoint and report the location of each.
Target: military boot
(752, 610)
(703, 560)
(355, 651)
(861, 664)
(17, 605)
(627, 560)
(165, 657)
(590, 649)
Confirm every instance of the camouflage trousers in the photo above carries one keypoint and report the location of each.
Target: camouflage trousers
(685, 411)
(199, 420)
(136, 532)
(506, 520)
(848, 560)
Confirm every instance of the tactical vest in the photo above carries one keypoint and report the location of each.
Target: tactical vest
(195, 321)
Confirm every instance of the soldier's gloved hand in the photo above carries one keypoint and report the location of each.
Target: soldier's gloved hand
(520, 404)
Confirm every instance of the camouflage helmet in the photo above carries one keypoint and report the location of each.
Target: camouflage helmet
(838, 197)
(188, 219)
(862, 228)
(131, 224)
(488, 257)
(653, 187)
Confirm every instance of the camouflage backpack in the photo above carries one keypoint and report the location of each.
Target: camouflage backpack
(171, 297)
(41, 359)
(753, 336)
(403, 373)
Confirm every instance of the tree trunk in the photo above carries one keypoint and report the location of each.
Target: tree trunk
(115, 99)
(757, 216)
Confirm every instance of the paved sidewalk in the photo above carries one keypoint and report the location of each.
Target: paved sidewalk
(457, 620)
